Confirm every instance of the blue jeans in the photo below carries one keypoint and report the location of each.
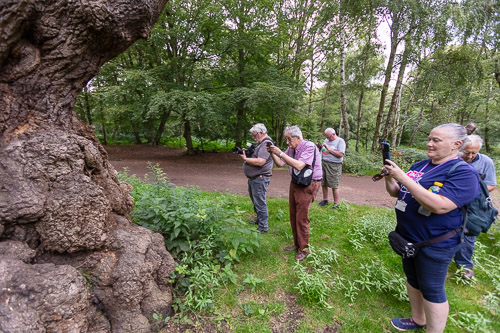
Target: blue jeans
(257, 190)
(427, 271)
(463, 257)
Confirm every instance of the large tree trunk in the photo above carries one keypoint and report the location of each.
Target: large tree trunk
(63, 212)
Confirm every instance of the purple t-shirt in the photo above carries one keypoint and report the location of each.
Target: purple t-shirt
(460, 186)
(305, 152)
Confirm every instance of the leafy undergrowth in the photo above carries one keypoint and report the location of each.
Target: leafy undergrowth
(231, 279)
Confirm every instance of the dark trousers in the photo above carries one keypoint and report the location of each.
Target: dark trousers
(257, 189)
(300, 199)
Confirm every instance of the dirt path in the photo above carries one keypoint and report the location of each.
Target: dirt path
(223, 172)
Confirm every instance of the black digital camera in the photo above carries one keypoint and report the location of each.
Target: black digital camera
(248, 151)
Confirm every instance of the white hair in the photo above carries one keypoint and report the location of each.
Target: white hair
(294, 131)
(473, 139)
(329, 131)
(258, 128)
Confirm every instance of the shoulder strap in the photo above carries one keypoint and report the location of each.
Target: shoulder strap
(463, 209)
(314, 158)
(456, 165)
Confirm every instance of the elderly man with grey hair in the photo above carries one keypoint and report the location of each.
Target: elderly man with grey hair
(300, 154)
(258, 168)
(332, 151)
(486, 170)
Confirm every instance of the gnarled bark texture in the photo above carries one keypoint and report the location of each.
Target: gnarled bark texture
(70, 259)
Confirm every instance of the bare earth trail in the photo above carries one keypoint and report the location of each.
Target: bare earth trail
(223, 172)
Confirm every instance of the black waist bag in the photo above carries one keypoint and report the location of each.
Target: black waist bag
(407, 249)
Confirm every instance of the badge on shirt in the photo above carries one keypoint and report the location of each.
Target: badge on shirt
(401, 205)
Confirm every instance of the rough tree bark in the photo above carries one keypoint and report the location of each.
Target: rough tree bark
(70, 258)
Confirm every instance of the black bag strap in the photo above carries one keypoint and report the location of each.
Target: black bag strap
(463, 209)
(441, 238)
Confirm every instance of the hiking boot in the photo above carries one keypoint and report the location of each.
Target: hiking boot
(404, 324)
(290, 248)
(335, 206)
(323, 203)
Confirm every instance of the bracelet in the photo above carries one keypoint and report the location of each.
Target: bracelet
(281, 154)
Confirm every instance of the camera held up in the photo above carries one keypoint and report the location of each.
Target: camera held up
(248, 151)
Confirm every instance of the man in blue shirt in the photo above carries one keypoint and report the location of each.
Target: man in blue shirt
(486, 170)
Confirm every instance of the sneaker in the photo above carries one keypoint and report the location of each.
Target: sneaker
(323, 203)
(335, 206)
(403, 324)
(252, 222)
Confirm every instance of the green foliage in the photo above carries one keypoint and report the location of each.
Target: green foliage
(188, 221)
(314, 286)
(370, 230)
(361, 163)
(349, 269)
(470, 322)
(252, 281)
(201, 233)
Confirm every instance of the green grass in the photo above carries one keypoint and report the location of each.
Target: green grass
(363, 289)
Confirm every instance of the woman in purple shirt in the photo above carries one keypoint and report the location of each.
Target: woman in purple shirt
(428, 206)
(300, 153)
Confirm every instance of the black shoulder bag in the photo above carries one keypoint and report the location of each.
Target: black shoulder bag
(303, 177)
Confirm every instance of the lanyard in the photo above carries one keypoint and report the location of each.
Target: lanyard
(417, 180)
(425, 166)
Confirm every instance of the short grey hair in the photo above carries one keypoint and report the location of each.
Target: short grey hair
(473, 139)
(458, 132)
(258, 128)
(294, 131)
(329, 131)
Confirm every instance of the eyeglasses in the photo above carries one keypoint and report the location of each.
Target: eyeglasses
(470, 152)
(289, 138)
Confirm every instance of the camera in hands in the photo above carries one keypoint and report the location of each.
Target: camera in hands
(248, 151)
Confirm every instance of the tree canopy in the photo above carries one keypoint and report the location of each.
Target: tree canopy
(373, 70)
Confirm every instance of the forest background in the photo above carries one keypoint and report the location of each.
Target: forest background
(374, 70)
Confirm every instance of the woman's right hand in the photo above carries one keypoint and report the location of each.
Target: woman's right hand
(393, 171)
